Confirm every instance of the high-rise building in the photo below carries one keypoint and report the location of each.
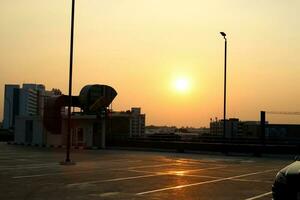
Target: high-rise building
(11, 105)
(31, 97)
(25, 101)
(137, 123)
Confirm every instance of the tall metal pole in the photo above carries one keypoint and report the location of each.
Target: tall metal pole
(70, 84)
(225, 71)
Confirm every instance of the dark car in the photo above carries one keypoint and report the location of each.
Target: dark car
(287, 183)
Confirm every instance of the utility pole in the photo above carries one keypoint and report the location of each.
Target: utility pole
(225, 71)
(68, 160)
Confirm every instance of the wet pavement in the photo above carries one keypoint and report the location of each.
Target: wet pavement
(35, 173)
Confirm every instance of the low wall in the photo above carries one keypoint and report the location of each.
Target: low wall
(180, 146)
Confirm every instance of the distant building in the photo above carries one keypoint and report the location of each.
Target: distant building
(11, 105)
(137, 123)
(25, 101)
(283, 132)
(86, 129)
(253, 130)
(216, 127)
(39, 117)
(123, 125)
(235, 128)
(31, 97)
(249, 129)
(160, 129)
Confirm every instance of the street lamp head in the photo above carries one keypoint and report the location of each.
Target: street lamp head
(223, 34)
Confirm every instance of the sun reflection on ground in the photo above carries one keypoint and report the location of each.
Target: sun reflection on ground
(177, 173)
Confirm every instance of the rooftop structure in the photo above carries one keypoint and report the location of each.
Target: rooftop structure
(38, 116)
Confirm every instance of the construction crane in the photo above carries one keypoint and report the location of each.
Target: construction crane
(263, 120)
(263, 114)
(282, 113)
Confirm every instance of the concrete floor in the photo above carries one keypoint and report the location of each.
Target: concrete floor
(35, 173)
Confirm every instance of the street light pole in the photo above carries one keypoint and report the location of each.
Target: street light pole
(225, 70)
(68, 160)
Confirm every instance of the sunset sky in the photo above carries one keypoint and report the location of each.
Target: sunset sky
(143, 48)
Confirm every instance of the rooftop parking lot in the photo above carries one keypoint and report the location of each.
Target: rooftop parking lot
(35, 173)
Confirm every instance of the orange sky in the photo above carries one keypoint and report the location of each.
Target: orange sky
(140, 47)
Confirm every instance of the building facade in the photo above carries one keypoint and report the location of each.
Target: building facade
(216, 127)
(236, 128)
(11, 105)
(39, 117)
(22, 101)
(137, 123)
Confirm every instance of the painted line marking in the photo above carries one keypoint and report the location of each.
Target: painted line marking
(193, 162)
(22, 168)
(254, 181)
(259, 196)
(115, 179)
(62, 173)
(150, 166)
(116, 160)
(203, 176)
(87, 171)
(179, 173)
(37, 175)
(31, 166)
(46, 165)
(203, 182)
(18, 155)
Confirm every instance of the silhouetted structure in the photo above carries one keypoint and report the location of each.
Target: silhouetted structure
(92, 122)
(25, 101)
(93, 99)
(225, 73)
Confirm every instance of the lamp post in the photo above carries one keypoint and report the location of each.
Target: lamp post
(68, 160)
(225, 68)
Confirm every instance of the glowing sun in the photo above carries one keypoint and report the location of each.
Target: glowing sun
(181, 84)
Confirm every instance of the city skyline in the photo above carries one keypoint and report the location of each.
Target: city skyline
(142, 47)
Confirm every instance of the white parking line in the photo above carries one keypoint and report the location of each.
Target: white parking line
(19, 157)
(250, 180)
(179, 173)
(47, 165)
(192, 161)
(33, 164)
(21, 154)
(38, 175)
(117, 160)
(30, 166)
(204, 182)
(58, 173)
(217, 177)
(259, 196)
(86, 171)
(201, 176)
(150, 166)
(115, 179)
